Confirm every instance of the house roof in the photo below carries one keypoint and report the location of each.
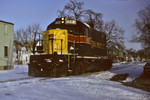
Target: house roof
(7, 22)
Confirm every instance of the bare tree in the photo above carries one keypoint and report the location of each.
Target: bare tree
(132, 53)
(73, 9)
(61, 13)
(142, 53)
(23, 36)
(142, 25)
(94, 19)
(114, 34)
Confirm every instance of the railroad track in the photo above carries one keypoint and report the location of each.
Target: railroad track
(13, 80)
(20, 81)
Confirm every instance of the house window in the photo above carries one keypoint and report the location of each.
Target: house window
(5, 67)
(5, 29)
(5, 51)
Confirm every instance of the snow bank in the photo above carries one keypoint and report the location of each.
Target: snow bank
(19, 71)
(104, 75)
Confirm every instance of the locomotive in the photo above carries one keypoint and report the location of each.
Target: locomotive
(69, 47)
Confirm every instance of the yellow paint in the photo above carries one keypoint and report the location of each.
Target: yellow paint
(57, 36)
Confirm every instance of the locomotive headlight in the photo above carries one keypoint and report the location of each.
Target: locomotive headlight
(62, 18)
(62, 22)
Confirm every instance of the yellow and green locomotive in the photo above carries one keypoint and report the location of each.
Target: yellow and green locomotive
(70, 47)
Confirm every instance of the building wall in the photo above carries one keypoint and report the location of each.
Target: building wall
(118, 54)
(6, 39)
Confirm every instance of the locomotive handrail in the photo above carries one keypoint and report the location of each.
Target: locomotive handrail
(55, 40)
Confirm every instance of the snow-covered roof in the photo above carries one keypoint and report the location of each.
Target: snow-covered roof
(7, 22)
(87, 25)
(39, 43)
(23, 48)
(117, 47)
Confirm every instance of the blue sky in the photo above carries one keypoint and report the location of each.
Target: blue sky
(25, 12)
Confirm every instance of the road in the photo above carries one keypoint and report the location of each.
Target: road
(134, 70)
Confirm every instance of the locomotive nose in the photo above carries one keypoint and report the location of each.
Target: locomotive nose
(55, 41)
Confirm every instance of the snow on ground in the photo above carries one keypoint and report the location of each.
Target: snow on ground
(90, 87)
(69, 88)
(19, 71)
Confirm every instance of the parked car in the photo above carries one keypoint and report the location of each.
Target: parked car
(147, 69)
